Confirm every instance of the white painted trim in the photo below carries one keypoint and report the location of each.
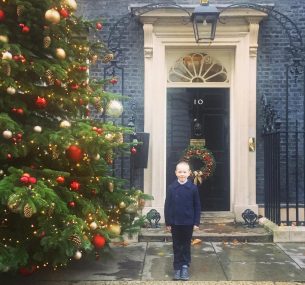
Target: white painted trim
(239, 39)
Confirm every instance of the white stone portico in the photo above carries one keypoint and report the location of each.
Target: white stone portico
(167, 37)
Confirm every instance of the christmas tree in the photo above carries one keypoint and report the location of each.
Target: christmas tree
(58, 196)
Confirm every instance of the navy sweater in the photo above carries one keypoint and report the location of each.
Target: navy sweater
(182, 204)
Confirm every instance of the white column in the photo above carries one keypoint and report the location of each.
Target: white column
(148, 101)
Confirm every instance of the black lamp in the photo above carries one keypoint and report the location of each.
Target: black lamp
(204, 19)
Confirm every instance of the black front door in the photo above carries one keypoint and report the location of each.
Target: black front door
(210, 107)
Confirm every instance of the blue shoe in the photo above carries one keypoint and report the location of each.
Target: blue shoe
(184, 275)
(177, 274)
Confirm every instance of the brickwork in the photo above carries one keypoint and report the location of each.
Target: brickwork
(272, 58)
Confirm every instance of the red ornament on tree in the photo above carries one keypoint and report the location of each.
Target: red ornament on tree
(113, 80)
(133, 150)
(32, 180)
(98, 241)
(24, 179)
(71, 204)
(74, 86)
(75, 185)
(75, 153)
(25, 29)
(2, 15)
(20, 111)
(99, 26)
(60, 179)
(26, 271)
(41, 102)
(64, 13)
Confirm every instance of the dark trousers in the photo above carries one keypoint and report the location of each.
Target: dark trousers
(182, 237)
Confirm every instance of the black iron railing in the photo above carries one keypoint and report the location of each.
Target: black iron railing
(284, 176)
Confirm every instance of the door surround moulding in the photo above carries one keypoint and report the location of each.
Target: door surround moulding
(238, 36)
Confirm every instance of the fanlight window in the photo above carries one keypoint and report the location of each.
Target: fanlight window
(197, 67)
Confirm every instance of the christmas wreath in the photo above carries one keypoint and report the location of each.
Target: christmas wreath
(196, 156)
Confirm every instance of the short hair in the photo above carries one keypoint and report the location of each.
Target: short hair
(183, 163)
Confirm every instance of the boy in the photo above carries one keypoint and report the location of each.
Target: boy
(182, 215)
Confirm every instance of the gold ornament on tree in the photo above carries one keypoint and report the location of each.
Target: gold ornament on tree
(114, 109)
(13, 203)
(28, 211)
(75, 239)
(46, 42)
(49, 76)
(52, 16)
(20, 10)
(71, 4)
(77, 255)
(60, 53)
(110, 186)
(115, 229)
(6, 68)
(4, 38)
(108, 57)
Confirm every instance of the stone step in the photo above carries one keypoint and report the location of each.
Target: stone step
(217, 217)
(220, 232)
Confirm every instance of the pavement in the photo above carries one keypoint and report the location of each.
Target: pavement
(222, 263)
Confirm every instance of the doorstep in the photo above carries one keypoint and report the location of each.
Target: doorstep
(214, 232)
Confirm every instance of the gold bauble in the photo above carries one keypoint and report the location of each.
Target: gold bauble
(77, 255)
(65, 124)
(115, 229)
(71, 4)
(52, 16)
(7, 55)
(132, 208)
(93, 226)
(122, 205)
(60, 53)
(110, 186)
(13, 203)
(4, 38)
(109, 137)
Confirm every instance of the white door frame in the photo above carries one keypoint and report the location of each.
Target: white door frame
(163, 32)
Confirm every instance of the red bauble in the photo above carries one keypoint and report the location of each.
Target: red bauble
(24, 179)
(75, 185)
(26, 174)
(113, 81)
(32, 180)
(98, 241)
(2, 15)
(9, 156)
(41, 102)
(99, 26)
(75, 153)
(64, 13)
(93, 192)
(74, 86)
(71, 204)
(133, 150)
(60, 179)
(25, 29)
(26, 271)
(57, 82)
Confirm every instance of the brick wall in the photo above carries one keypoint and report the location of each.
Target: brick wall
(272, 58)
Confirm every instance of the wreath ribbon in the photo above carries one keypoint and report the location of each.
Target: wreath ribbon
(197, 177)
